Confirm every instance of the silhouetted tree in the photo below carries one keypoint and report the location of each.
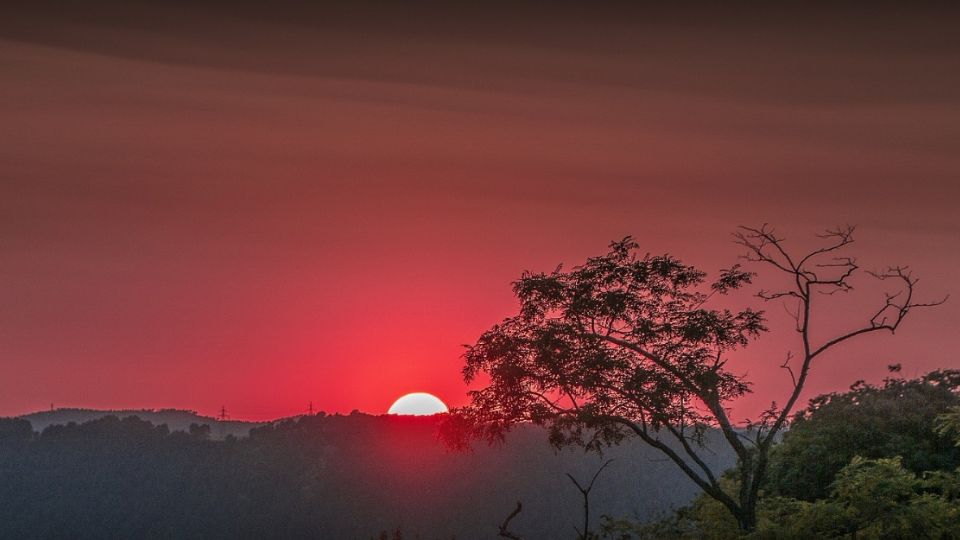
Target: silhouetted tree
(14, 430)
(629, 345)
(585, 534)
(199, 431)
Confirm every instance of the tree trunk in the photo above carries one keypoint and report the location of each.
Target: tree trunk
(753, 467)
(747, 520)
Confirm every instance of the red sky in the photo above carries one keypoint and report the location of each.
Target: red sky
(206, 206)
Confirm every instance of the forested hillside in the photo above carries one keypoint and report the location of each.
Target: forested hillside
(321, 477)
(175, 419)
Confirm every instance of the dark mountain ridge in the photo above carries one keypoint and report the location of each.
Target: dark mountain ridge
(175, 419)
(313, 477)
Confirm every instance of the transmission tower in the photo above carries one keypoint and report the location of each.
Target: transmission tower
(311, 408)
(223, 413)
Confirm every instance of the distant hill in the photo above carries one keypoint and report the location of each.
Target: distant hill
(321, 476)
(175, 419)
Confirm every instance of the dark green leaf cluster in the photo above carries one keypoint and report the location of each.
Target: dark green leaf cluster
(869, 499)
(873, 462)
(897, 418)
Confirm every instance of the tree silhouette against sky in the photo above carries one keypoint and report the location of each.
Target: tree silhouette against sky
(631, 345)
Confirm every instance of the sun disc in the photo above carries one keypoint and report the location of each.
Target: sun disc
(418, 404)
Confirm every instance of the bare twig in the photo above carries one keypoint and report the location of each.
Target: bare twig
(786, 366)
(585, 491)
(505, 526)
(825, 272)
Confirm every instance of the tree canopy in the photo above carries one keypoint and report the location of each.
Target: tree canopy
(631, 344)
(897, 418)
(866, 463)
(622, 338)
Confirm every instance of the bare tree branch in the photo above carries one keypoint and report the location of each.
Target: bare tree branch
(505, 526)
(786, 366)
(705, 485)
(585, 492)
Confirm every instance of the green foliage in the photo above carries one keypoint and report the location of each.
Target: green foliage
(870, 499)
(948, 424)
(898, 418)
(874, 462)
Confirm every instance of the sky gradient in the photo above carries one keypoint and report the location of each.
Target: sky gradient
(223, 205)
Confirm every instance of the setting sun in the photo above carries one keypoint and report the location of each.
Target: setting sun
(418, 404)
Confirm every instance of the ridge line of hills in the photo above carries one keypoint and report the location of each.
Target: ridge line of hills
(322, 476)
(175, 419)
